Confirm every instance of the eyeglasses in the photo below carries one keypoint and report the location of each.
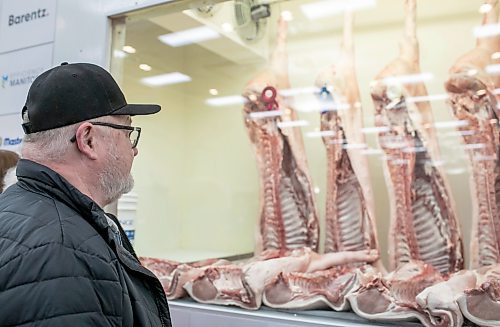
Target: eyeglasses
(135, 132)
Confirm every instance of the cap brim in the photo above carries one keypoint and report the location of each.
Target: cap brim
(137, 109)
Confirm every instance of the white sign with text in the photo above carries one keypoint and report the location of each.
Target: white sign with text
(26, 23)
(11, 132)
(17, 71)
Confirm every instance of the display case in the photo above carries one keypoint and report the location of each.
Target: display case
(197, 175)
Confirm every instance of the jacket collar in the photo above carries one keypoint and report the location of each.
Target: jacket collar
(41, 179)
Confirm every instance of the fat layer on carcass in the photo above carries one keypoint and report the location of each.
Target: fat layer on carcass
(424, 224)
(288, 217)
(472, 97)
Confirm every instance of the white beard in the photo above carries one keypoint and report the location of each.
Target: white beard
(114, 182)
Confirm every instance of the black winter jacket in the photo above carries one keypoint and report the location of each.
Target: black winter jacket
(59, 262)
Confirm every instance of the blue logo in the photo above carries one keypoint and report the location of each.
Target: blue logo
(12, 141)
(5, 79)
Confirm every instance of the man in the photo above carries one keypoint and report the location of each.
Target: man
(63, 260)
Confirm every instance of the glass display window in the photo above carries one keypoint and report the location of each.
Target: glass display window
(198, 174)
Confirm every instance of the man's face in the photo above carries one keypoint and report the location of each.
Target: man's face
(115, 177)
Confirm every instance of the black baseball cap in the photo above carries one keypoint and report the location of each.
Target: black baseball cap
(72, 93)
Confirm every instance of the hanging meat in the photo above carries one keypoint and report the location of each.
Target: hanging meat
(472, 97)
(424, 224)
(288, 217)
(349, 201)
(349, 217)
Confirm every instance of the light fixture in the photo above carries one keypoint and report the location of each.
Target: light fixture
(327, 8)
(487, 30)
(119, 54)
(320, 134)
(129, 49)
(316, 190)
(377, 129)
(292, 123)
(485, 8)
(451, 123)
(165, 79)
(225, 101)
(493, 69)
(495, 55)
(287, 15)
(408, 79)
(423, 98)
(145, 67)
(227, 27)
(189, 36)
(213, 91)
(266, 114)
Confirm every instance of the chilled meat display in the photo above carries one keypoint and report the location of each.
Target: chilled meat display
(427, 281)
(423, 225)
(472, 97)
(288, 217)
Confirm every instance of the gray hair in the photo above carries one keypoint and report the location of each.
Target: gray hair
(51, 145)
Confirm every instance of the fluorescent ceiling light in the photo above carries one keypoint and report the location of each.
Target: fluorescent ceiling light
(145, 67)
(373, 130)
(292, 123)
(327, 8)
(408, 79)
(452, 123)
(474, 146)
(485, 8)
(354, 146)
(165, 79)
(119, 54)
(455, 171)
(487, 30)
(193, 35)
(371, 151)
(433, 97)
(299, 90)
(225, 101)
(129, 49)
(266, 114)
(320, 134)
(287, 15)
(493, 69)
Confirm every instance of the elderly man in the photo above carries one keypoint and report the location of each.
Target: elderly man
(63, 260)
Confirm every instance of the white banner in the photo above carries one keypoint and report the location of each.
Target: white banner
(11, 132)
(17, 71)
(26, 23)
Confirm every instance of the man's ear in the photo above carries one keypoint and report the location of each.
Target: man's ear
(85, 140)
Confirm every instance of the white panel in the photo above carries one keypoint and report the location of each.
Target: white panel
(11, 133)
(18, 69)
(26, 23)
